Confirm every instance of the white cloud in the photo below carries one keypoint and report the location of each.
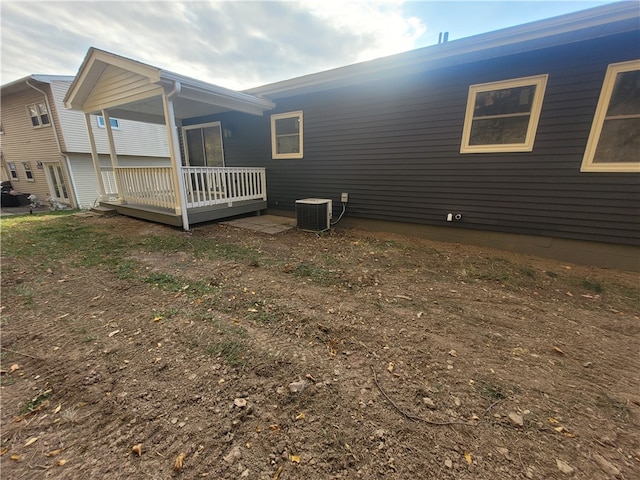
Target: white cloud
(384, 23)
(234, 44)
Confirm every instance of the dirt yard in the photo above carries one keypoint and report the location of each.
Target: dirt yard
(132, 350)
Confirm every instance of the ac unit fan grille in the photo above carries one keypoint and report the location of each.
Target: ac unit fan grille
(313, 216)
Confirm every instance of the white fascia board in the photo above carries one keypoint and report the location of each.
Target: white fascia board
(52, 78)
(213, 94)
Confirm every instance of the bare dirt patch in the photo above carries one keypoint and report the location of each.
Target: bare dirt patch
(289, 356)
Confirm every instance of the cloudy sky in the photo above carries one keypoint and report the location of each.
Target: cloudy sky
(242, 44)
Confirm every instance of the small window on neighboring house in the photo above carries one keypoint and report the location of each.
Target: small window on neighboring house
(39, 114)
(115, 123)
(28, 173)
(614, 141)
(287, 135)
(503, 116)
(13, 170)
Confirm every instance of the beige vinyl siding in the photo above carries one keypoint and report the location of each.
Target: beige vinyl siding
(133, 138)
(21, 142)
(85, 177)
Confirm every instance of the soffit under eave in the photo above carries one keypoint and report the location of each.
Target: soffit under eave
(92, 70)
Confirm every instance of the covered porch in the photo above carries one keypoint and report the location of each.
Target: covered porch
(189, 190)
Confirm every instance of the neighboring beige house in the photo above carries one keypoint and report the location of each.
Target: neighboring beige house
(46, 150)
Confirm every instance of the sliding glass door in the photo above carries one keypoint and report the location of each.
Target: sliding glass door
(203, 145)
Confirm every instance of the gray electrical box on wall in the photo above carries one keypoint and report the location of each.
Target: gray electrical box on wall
(313, 214)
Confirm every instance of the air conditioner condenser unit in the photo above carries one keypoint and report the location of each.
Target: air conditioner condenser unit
(313, 214)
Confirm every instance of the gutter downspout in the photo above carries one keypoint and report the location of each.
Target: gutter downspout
(174, 144)
(55, 134)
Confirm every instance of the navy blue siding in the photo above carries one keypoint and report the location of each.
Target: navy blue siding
(394, 145)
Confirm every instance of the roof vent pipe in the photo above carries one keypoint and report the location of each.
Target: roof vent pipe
(443, 37)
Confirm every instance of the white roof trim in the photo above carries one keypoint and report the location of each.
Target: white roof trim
(191, 89)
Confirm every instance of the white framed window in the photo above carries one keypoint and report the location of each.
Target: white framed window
(13, 170)
(39, 114)
(28, 173)
(115, 123)
(614, 140)
(503, 116)
(287, 135)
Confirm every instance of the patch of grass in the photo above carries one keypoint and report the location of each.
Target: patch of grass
(26, 294)
(231, 350)
(494, 392)
(528, 272)
(203, 246)
(262, 312)
(616, 407)
(592, 285)
(165, 243)
(33, 404)
(166, 313)
(57, 236)
(318, 275)
(126, 269)
(171, 283)
(164, 282)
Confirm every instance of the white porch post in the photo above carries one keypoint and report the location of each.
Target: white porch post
(112, 151)
(112, 144)
(176, 160)
(102, 193)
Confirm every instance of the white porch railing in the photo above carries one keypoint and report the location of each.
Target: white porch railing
(151, 186)
(204, 186)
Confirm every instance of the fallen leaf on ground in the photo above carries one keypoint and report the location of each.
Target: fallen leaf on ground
(295, 458)
(157, 318)
(467, 457)
(14, 367)
(558, 350)
(177, 465)
(390, 367)
(15, 457)
(3, 451)
(53, 453)
(31, 441)
(137, 449)
(300, 416)
(278, 472)
(61, 462)
(113, 333)
(57, 409)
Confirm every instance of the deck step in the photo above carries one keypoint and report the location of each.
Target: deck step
(102, 210)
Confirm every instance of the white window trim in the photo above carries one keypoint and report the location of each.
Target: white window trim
(101, 124)
(26, 166)
(13, 170)
(39, 116)
(540, 81)
(274, 144)
(598, 122)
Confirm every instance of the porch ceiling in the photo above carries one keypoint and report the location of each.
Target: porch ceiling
(133, 90)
